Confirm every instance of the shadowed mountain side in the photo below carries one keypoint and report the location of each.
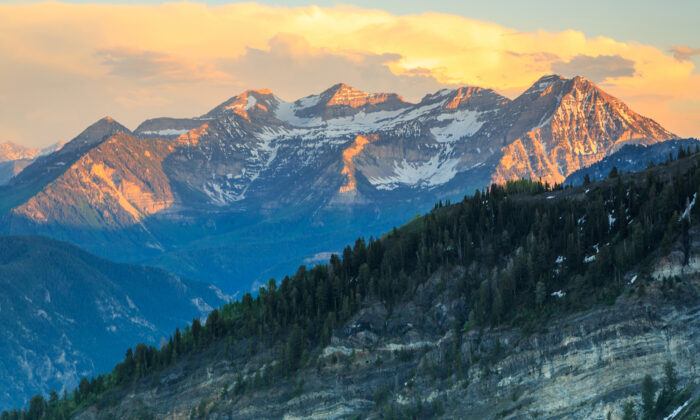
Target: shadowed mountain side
(67, 313)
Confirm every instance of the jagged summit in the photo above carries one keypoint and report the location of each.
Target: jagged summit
(476, 98)
(250, 100)
(46, 168)
(344, 95)
(341, 100)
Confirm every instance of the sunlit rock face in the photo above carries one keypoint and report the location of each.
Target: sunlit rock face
(561, 125)
(116, 183)
(349, 165)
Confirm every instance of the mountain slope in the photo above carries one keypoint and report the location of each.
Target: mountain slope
(518, 302)
(36, 176)
(9, 169)
(67, 314)
(257, 171)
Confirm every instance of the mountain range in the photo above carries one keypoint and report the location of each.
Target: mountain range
(208, 197)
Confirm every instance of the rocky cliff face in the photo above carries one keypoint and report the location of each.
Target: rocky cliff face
(578, 366)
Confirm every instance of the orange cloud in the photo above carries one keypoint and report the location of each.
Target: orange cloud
(68, 64)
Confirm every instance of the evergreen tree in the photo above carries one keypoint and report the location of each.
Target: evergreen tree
(586, 180)
(670, 381)
(540, 293)
(37, 408)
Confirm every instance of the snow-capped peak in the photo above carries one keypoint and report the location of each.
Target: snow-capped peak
(258, 100)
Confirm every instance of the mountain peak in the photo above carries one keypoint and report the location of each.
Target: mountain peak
(474, 95)
(249, 100)
(342, 100)
(263, 91)
(342, 94)
(581, 82)
(102, 127)
(542, 84)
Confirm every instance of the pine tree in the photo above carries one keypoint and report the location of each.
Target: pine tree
(497, 307)
(37, 408)
(296, 348)
(670, 381)
(540, 293)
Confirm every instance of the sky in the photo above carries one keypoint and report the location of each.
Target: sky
(63, 65)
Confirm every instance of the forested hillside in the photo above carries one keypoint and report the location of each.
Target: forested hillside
(514, 257)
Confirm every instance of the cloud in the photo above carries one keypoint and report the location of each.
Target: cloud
(597, 68)
(181, 59)
(288, 56)
(683, 53)
(154, 66)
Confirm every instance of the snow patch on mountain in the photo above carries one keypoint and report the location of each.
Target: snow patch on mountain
(308, 102)
(461, 124)
(201, 305)
(165, 132)
(221, 196)
(432, 173)
(363, 122)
